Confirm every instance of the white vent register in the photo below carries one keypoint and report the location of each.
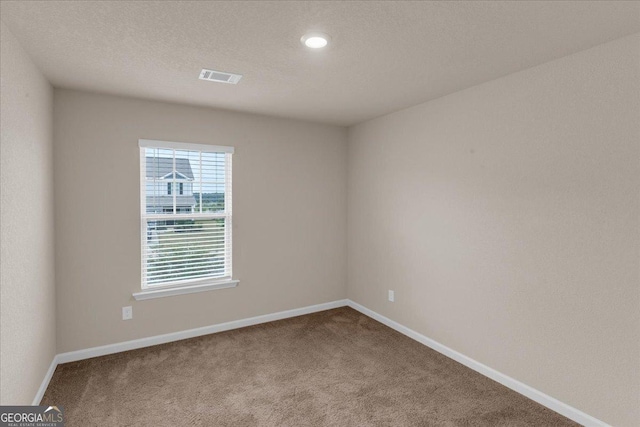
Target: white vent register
(220, 76)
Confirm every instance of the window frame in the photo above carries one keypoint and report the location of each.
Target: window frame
(195, 284)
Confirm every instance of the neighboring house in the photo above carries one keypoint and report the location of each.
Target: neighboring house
(169, 183)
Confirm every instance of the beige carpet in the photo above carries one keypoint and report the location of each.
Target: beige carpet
(334, 368)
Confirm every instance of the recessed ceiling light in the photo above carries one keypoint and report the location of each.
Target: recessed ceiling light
(315, 40)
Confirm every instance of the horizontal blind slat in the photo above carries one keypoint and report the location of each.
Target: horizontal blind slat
(176, 263)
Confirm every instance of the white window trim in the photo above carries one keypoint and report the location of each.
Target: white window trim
(168, 291)
(152, 143)
(198, 285)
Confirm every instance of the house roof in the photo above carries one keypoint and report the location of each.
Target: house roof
(160, 167)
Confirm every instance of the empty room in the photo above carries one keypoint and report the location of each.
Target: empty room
(319, 213)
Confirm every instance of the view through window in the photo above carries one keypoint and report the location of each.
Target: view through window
(185, 213)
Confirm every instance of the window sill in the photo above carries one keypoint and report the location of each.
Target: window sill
(168, 292)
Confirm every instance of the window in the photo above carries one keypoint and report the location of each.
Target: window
(186, 234)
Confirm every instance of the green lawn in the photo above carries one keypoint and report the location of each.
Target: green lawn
(186, 249)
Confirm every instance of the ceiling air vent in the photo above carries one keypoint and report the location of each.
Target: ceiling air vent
(220, 76)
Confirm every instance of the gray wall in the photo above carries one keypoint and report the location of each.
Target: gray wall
(289, 225)
(506, 219)
(27, 292)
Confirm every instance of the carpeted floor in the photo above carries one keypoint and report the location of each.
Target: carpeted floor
(334, 368)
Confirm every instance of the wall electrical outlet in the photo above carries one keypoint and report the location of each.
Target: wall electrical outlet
(127, 313)
(392, 296)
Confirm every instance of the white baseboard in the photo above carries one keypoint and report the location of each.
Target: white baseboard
(533, 394)
(73, 356)
(530, 392)
(45, 381)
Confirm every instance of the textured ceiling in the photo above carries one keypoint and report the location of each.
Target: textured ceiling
(384, 55)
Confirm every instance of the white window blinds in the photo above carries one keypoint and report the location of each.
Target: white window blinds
(185, 197)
